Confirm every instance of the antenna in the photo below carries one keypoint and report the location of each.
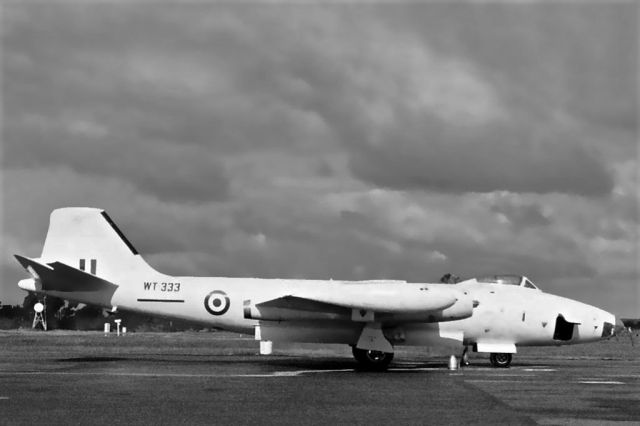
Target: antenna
(40, 316)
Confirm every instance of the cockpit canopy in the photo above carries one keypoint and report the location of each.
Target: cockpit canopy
(517, 280)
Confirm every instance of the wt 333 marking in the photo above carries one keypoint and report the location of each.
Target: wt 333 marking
(156, 286)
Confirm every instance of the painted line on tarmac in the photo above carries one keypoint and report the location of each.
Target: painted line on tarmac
(515, 375)
(173, 375)
(401, 369)
(460, 370)
(234, 339)
(600, 382)
(629, 376)
(540, 369)
(4, 397)
(497, 376)
(292, 373)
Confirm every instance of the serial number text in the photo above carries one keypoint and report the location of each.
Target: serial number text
(156, 286)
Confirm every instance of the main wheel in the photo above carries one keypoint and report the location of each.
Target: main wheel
(372, 360)
(500, 360)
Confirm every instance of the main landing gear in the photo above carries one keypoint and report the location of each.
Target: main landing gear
(464, 358)
(499, 360)
(372, 360)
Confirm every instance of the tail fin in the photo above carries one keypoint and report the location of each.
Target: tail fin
(87, 238)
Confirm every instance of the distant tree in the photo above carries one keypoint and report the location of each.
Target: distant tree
(633, 323)
(449, 279)
(10, 317)
(29, 300)
(66, 317)
(53, 305)
(89, 317)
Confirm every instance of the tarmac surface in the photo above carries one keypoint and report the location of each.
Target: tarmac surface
(218, 378)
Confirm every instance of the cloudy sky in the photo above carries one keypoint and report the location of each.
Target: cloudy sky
(346, 141)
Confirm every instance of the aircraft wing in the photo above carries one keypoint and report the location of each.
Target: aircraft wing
(61, 277)
(384, 298)
(360, 302)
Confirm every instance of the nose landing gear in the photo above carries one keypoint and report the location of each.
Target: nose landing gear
(500, 360)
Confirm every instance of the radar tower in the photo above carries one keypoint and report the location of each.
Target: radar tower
(40, 316)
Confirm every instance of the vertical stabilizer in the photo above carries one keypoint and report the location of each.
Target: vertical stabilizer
(87, 239)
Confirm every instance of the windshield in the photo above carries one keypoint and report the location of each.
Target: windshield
(517, 280)
(501, 279)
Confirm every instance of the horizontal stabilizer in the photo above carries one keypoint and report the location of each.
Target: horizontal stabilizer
(31, 265)
(58, 276)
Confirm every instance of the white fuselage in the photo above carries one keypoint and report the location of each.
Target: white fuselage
(504, 314)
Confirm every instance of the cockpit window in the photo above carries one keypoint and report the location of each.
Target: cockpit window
(501, 279)
(517, 280)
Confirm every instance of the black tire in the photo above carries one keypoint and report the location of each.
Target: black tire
(372, 360)
(500, 360)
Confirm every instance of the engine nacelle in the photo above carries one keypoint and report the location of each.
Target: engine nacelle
(461, 309)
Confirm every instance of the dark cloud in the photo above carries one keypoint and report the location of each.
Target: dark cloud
(581, 57)
(428, 156)
(541, 60)
(409, 116)
(395, 144)
(69, 102)
(169, 171)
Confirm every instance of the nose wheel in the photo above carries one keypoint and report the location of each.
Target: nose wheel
(500, 360)
(372, 360)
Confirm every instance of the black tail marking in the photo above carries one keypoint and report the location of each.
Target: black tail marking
(120, 234)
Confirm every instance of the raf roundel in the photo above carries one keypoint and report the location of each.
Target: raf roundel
(217, 302)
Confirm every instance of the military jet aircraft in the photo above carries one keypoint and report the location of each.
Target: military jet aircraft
(87, 259)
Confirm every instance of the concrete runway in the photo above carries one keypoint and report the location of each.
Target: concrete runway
(217, 378)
